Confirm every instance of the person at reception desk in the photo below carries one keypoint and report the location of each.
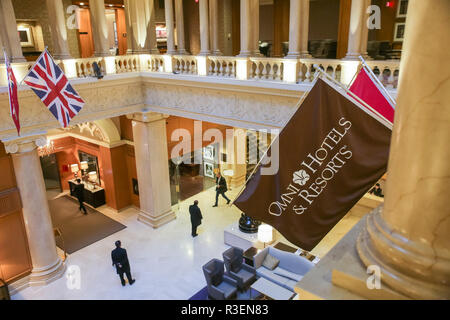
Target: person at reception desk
(79, 194)
(221, 188)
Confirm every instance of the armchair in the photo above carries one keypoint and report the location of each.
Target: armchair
(220, 286)
(244, 274)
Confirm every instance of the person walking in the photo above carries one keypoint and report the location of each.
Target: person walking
(120, 261)
(196, 217)
(221, 188)
(78, 191)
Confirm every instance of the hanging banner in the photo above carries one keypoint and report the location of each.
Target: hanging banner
(331, 153)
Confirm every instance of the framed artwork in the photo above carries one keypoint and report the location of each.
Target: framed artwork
(399, 31)
(92, 163)
(208, 169)
(25, 35)
(209, 153)
(402, 8)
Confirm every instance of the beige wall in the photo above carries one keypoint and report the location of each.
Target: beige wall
(323, 19)
(36, 10)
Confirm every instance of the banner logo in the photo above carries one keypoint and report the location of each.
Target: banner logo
(320, 167)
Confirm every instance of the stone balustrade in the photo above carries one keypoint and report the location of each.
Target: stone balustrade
(222, 66)
(386, 71)
(84, 67)
(266, 69)
(251, 68)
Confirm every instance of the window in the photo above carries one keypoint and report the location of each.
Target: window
(402, 8)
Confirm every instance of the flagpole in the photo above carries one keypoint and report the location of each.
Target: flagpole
(354, 76)
(316, 75)
(382, 119)
(373, 75)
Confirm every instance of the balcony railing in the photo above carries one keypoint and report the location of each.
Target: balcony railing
(276, 70)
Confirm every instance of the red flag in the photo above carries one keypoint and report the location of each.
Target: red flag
(371, 93)
(12, 91)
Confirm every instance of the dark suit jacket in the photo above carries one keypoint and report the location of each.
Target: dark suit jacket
(222, 184)
(78, 191)
(196, 215)
(120, 260)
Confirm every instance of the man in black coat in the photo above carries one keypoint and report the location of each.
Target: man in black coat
(78, 191)
(120, 261)
(221, 188)
(196, 217)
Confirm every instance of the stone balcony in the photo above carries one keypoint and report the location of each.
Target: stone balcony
(252, 92)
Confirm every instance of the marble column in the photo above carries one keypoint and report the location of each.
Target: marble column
(298, 29)
(141, 26)
(58, 29)
(214, 20)
(204, 28)
(47, 265)
(99, 28)
(138, 30)
(180, 27)
(365, 32)
(255, 27)
(8, 30)
(356, 29)
(128, 23)
(409, 239)
(151, 44)
(170, 27)
(150, 147)
(246, 29)
(2, 56)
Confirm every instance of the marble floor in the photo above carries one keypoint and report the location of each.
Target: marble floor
(166, 262)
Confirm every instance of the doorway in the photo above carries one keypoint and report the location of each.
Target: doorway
(50, 171)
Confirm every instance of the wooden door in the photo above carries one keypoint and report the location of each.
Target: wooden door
(121, 31)
(85, 34)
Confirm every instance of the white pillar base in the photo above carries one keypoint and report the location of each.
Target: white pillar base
(47, 275)
(156, 222)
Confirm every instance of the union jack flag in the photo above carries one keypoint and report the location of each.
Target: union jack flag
(12, 92)
(50, 84)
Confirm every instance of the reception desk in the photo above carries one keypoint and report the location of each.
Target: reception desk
(94, 197)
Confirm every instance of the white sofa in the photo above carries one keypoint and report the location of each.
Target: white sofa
(289, 271)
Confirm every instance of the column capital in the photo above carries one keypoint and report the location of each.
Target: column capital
(25, 144)
(147, 117)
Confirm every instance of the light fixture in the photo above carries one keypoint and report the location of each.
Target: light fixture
(93, 177)
(74, 168)
(46, 150)
(265, 233)
(84, 165)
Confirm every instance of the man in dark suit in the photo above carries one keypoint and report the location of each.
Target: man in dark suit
(377, 191)
(221, 188)
(78, 191)
(120, 261)
(196, 217)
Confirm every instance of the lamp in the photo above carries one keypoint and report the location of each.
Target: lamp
(84, 166)
(74, 168)
(93, 177)
(265, 233)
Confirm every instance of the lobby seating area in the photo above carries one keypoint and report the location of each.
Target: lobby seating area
(274, 272)
(289, 271)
